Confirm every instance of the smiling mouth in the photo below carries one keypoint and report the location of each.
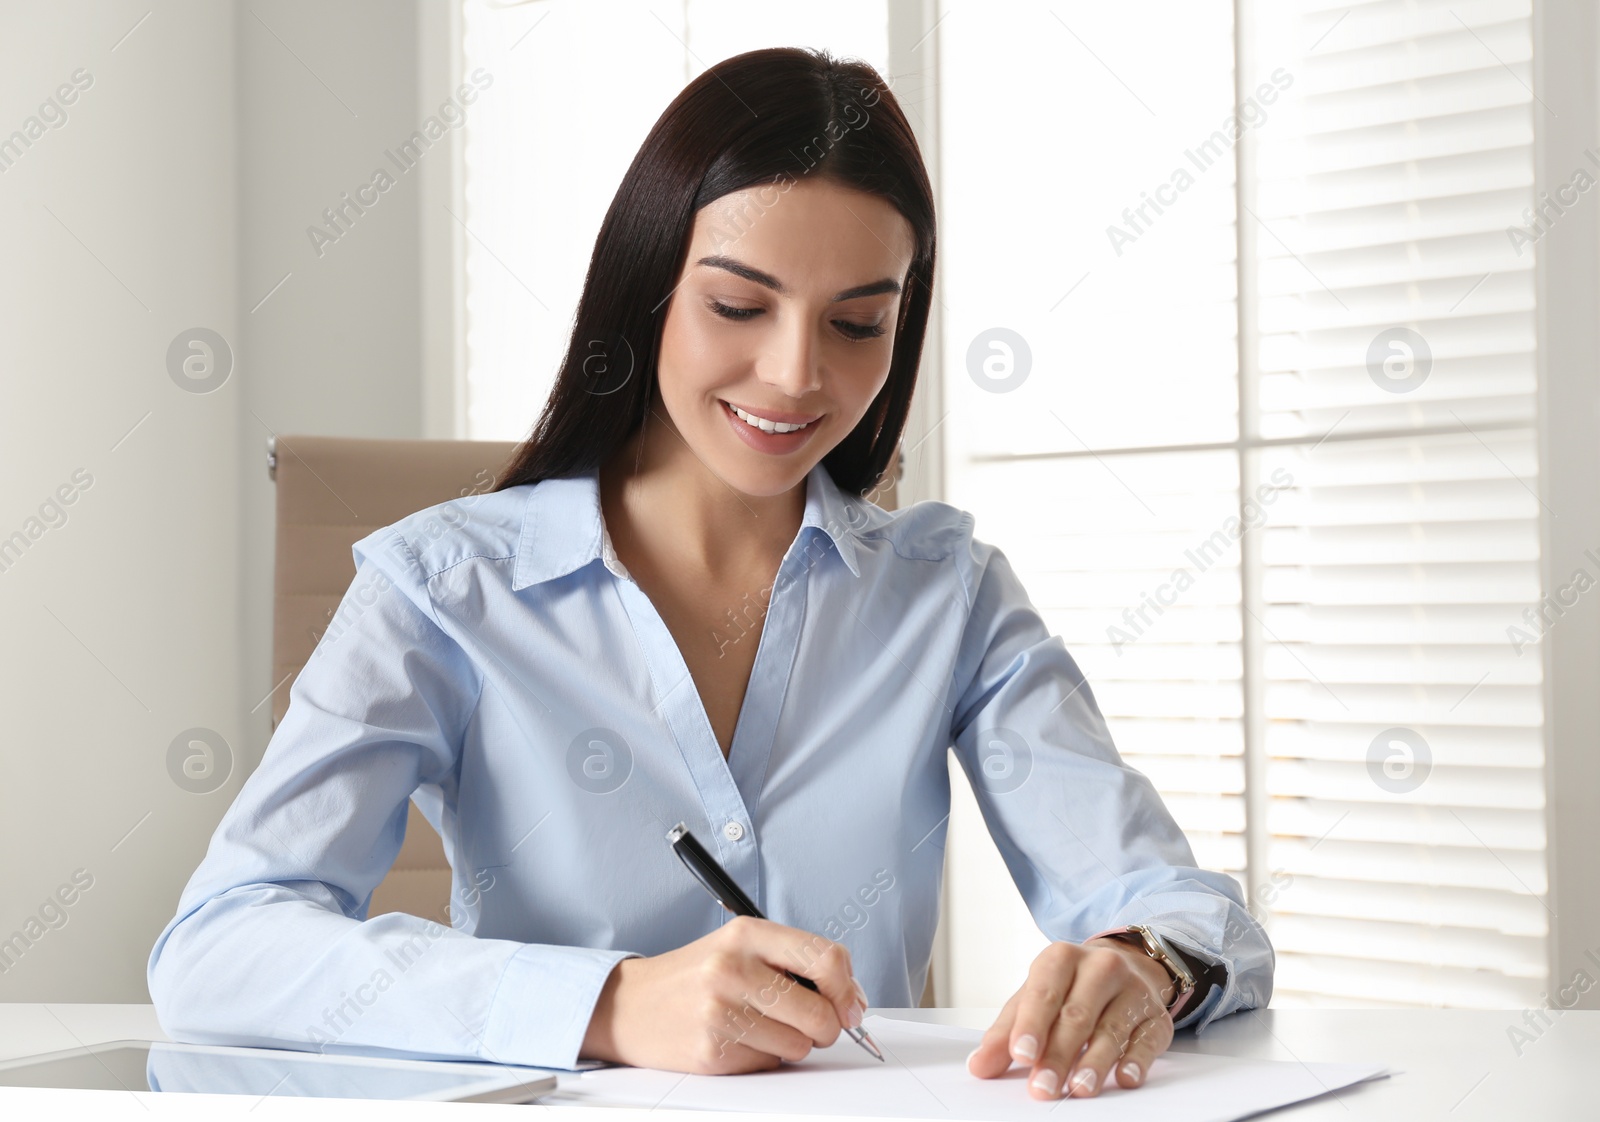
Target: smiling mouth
(765, 424)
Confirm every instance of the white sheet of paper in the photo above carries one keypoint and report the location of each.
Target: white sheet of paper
(926, 1077)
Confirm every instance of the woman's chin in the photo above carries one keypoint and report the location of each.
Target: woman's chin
(758, 471)
(759, 476)
(767, 481)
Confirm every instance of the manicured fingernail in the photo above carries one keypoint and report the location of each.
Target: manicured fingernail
(1026, 1047)
(861, 993)
(972, 1053)
(1046, 1081)
(856, 1012)
(1083, 1082)
(1131, 1070)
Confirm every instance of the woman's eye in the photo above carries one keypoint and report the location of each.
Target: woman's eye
(860, 331)
(727, 311)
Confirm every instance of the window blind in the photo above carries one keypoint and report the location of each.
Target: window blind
(1131, 346)
(1405, 793)
(1299, 570)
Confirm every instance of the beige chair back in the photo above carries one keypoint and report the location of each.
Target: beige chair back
(333, 491)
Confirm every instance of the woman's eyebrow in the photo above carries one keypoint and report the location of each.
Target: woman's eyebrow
(767, 280)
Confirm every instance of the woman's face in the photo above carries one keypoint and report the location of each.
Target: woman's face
(785, 312)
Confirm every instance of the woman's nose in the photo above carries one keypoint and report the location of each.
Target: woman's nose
(792, 366)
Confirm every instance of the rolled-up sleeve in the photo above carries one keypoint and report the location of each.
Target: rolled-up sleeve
(1086, 837)
(271, 944)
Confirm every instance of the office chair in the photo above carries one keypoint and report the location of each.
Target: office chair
(333, 491)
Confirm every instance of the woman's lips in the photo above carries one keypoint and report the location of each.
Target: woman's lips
(777, 416)
(772, 443)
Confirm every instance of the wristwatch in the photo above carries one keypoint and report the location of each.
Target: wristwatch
(1157, 947)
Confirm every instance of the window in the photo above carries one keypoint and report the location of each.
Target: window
(1284, 427)
(576, 88)
(1237, 366)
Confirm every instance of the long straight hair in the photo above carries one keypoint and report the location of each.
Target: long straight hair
(768, 118)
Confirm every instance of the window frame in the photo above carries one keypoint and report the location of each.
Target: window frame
(1566, 44)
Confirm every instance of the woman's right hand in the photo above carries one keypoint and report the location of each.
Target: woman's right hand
(723, 1004)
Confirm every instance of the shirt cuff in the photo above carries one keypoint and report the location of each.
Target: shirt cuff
(1201, 1013)
(541, 1008)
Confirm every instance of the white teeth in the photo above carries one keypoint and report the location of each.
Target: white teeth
(762, 423)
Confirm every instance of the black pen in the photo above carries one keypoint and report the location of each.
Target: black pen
(731, 896)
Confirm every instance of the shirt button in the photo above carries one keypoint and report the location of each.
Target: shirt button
(733, 831)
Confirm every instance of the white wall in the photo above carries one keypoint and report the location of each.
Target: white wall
(121, 625)
(335, 350)
(175, 195)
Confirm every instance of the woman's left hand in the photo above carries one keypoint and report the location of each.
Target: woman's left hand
(1104, 999)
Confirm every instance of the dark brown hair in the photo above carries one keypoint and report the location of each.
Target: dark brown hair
(766, 118)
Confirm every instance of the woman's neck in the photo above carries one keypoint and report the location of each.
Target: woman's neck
(663, 506)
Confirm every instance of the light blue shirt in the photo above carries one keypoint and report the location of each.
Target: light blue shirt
(494, 661)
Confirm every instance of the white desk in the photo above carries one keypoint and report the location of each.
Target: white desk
(1456, 1064)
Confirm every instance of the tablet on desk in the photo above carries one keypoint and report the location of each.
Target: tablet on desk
(147, 1065)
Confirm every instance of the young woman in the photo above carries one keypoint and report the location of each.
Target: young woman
(679, 606)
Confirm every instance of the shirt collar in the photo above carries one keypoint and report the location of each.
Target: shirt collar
(563, 530)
